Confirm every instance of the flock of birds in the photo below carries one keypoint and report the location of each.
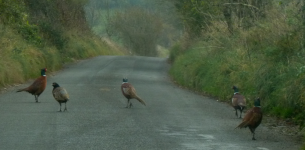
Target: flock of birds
(252, 119)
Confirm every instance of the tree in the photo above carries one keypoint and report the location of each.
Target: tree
(138, 29)
(247, 12)
(197, 15)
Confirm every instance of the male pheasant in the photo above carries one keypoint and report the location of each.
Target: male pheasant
(60, 94)
(238, 101)
(130, 93)
(253, 118)
(38, 86)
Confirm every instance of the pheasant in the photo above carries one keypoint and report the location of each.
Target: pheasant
(253, 118)
(130, 93)
(38, 86)
(60, 94)
(238, 101)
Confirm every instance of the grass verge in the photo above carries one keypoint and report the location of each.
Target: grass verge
(20, 60)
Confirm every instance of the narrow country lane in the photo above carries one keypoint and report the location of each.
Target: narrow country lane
(96, 119)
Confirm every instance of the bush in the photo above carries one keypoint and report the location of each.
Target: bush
(138, 29)
(30, 33)
(33, 37)
(53, 34)
(266, 61)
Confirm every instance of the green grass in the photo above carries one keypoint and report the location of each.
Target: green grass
(264, 61)
(278, 85)
(20, 60)
(162, 52)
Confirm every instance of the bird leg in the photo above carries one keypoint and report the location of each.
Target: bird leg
(127, 103)
(236, 112)
(252, 130)
(241, 111)
(59, 107)
(36, 98)
(130, 105)
(65, 107)
(253, 138)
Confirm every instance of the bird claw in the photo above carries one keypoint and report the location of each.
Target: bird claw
(130, 104)
(253, 138)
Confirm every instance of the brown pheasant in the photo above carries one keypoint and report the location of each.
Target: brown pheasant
(238, 101)
(130, 93)
(60, 94)
(253, 118)
(38, 86)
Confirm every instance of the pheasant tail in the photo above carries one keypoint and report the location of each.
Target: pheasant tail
(242, 125)
(140, 100)
(20, 90)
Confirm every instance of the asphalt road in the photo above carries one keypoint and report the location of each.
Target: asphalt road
(173, 119)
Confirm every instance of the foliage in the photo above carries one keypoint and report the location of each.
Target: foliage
(30, 33)
(138, 29)
(197, 14)
(101, 14)
(12, 12)
(265, 60)
(53, 35)
(44, 33)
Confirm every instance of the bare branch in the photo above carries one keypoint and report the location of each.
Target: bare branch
(248, 5)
